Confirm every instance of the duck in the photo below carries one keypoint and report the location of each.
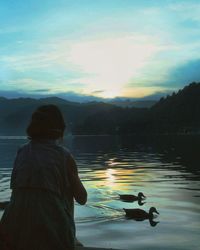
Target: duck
(139, 214)
(3, 204)
(131, 197)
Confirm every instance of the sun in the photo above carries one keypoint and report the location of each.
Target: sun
(111, 93)
(109, 64)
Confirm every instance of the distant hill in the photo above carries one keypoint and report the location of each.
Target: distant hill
(133, 104)
(176, 113)
(16, 113)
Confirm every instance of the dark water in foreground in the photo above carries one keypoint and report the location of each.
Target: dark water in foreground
(165, 169)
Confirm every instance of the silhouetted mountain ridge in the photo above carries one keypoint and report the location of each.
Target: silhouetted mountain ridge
(133, 104)
(15, 113)
(176, 113)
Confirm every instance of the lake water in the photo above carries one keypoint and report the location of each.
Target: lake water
(166, 169)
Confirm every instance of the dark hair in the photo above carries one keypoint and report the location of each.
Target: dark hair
(47, 122)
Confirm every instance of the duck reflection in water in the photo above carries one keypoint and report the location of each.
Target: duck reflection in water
(132, 198)
(140, 215)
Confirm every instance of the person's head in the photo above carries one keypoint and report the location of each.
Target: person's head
(46, 123)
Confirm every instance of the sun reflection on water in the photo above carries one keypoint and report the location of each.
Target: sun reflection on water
(116, 177)
(110, 174)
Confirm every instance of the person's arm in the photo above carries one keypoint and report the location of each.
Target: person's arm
(79, 191)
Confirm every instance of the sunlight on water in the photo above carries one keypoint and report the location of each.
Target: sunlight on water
(108, 168)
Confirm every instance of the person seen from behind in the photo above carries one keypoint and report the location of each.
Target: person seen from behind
(44, 183)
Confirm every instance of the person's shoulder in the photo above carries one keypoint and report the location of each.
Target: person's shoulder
(64, 149)
(24, 146)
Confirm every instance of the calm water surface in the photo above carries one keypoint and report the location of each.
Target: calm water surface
(165, 169)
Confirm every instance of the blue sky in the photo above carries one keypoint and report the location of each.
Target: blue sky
(103, 48)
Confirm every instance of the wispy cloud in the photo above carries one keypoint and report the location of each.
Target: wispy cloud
(41, 90)
(97, 92)
(94, 63)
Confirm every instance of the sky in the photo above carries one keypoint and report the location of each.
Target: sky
(99, 48)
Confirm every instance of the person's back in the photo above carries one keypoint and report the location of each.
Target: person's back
(40, 164)
(44, 182)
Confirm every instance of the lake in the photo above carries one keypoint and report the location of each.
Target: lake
(165, 168)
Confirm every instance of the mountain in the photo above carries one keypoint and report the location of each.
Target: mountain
(175, 113)
(15, 114)
(128, 103)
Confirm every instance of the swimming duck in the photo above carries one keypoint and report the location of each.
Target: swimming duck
(139, 214)
(131, 197)
(3, 204)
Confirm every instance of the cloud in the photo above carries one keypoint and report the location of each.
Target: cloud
(106, 62)
(76, 97)
(185, 73)
(41, 90)
(186, 10)
(30, 61)
(110, 63)
(27, 84)
(97, 92)
(11, 94)
(157, 95)
(70, 96)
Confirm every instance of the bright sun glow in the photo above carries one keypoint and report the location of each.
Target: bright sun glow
(110, 93)
(110, 64)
